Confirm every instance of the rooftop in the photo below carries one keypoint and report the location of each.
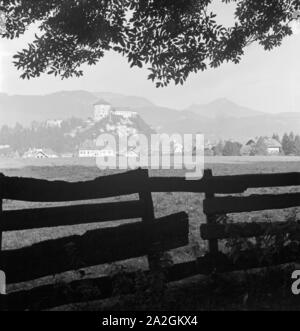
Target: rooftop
(272, 143)
(269, 142)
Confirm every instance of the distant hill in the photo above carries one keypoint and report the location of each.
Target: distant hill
(249, 127)
(27, 108)
(120, 100)
(221, 118)
(222, 108)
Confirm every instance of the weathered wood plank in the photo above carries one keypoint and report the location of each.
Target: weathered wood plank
(24, 219)
(154, 251)
(257, 180)
(38, 190)
(248, 259)
(224, 184)
(213, 245)
(223, 205)
(54, 295)
(29, 189)
(2, 297)
(94, 248)
(247, 230)
(180, 184)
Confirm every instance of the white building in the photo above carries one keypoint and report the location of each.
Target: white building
(274, 147)
(102, 109)
(39, 153)
(6, 151)
(89, 149)
(54, 123)
(125, 112)
(93, 153)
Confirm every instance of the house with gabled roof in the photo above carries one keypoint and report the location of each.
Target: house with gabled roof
(40, 153)
(274, 147)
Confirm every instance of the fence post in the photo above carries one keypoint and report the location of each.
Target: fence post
(1, 262)
(154, 253)
(211, 219)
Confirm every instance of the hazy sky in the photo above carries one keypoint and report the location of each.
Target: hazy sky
(266, 81)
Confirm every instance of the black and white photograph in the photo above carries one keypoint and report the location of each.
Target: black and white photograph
(149, 158)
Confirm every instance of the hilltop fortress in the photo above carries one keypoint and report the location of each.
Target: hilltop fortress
(103, 109)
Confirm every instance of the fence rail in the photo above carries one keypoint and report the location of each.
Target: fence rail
(26, 219)
(37, 190)
(94, 248)
(149, 237)
(224, 205)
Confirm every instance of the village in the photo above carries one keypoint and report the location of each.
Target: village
(120, 121)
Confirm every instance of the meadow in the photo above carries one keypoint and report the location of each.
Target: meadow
(165, 203)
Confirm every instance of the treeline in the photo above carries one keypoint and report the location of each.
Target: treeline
(227, 148)
(39, 135)
(65, 137)
(289, 145)
(59, 139)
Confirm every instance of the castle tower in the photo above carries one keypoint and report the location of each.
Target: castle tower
(102, 109)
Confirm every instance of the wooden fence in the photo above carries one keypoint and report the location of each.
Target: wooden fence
(147, 238)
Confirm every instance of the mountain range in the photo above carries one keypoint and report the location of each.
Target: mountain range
(221, 118)
(223, 108)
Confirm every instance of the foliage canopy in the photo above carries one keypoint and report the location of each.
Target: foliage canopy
(173, 38)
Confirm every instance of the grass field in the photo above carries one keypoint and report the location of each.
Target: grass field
(165, 204)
